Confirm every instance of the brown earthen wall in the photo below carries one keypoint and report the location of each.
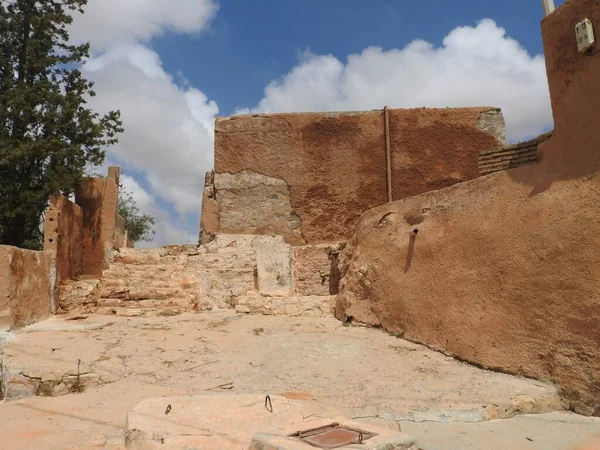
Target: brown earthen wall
(26, 286)
(436, 148)
(63, 235)
(505, 269)
(98, 199)
(323, 170)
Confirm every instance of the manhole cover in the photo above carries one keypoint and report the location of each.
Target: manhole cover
(333, 436)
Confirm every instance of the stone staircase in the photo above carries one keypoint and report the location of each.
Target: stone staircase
(249, 273)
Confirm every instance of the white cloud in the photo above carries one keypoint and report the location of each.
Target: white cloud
(110, 22)
(475, 66)
(168, 129)
(168, 125)
(143, 199)
(169, 229)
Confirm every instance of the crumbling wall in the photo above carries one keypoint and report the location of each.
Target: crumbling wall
(98, 199)
(314, 269)
(120, 239)
(63, 236)
(27, 286)
(309, 177)
(504, 269)
(512, 156)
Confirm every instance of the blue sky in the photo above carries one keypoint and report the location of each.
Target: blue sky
(172, 66)
(251, 43)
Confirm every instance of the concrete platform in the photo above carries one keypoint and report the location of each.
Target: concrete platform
(215, 422)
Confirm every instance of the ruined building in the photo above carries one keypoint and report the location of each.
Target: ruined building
(421, 222)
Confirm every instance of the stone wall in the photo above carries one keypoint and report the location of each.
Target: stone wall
(309, 177)
(27, 286)
(504, 269)
(98, 198)
(512, 156)
(63, 236)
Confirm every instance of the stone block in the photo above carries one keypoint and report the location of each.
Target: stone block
(312, 269)
(273, 265)
(221, 288)
(309, 306)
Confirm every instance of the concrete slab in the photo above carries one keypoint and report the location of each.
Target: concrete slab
(556, 431)
(219, 421)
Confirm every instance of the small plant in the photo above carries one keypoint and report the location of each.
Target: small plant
(258, 331)
(78, 387)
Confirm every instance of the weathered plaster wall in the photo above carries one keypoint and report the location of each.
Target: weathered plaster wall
(505, 269)
(309, 177)
(26, 286)
(436, 148)
(63, 235)
(98, 199)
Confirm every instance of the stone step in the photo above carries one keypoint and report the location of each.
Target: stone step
(136, 292)
(123, 271)
(182, 304)
(74, 294)
(139, 312)
(172, 282)
(148, 258)
(304, 306)
(229, 258)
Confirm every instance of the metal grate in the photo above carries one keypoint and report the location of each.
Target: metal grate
(333, 436)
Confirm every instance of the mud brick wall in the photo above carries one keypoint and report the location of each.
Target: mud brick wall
(27, 286)
(309, 177)
(98, 198)
(63, 235)
(504, 271)
(496, 160)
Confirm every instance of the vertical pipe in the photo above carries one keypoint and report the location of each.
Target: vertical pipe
(548, 6)
(388, 155)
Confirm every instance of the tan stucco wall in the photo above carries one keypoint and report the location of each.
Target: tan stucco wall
(310, 176)
(26, 286)
(505, 269)
(98, 199)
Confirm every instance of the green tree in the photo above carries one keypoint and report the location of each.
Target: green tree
(140, 227)
(47, 134)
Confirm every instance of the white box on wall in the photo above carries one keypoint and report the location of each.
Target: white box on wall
(584, 32)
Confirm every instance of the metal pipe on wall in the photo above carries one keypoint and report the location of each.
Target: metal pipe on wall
(548, 6)
(388, 154)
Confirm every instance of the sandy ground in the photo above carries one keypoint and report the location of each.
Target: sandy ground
(363, 373)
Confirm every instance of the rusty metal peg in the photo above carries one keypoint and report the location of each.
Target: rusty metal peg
(268, 404)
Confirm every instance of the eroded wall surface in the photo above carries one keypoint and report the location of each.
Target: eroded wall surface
(26, 286)
(120, 239)
(505, 269)
(98, 198)
(309, 177)
(63, 235)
